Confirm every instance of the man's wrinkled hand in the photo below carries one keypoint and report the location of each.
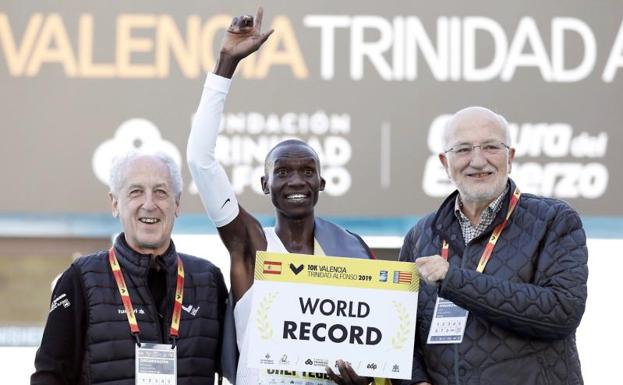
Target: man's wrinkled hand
(432, 269)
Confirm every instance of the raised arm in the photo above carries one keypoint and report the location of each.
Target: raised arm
(241, 233)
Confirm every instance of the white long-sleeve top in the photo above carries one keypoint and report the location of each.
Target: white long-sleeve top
(211, 180)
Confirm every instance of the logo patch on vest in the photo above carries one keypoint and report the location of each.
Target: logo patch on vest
(138, 310)
(59, 301)
(191, 310)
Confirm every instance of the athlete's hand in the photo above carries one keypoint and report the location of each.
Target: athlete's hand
(347, 375)
(243, 37)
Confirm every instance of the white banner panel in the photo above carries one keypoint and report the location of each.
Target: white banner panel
(309, 312)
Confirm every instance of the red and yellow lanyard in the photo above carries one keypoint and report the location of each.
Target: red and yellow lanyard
(486, 254)
(127, 303)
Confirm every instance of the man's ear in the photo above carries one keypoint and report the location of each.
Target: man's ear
(322, 184)
(444, 162)
(178, 207)
(511, 157)
(264, 181)
(114, 202)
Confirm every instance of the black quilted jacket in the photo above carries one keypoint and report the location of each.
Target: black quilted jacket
(525, 307)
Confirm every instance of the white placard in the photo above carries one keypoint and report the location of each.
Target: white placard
(308, 313)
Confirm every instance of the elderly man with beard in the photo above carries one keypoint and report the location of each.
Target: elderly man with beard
(504, 272)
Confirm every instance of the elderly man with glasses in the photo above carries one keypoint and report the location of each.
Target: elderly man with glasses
(504, 273)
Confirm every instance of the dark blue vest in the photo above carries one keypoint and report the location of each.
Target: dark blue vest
(109, 350)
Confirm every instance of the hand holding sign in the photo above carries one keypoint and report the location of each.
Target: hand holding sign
(347, 375)
(432, 269)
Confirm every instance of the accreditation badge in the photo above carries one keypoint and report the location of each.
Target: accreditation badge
(449, 321)
(155, 364)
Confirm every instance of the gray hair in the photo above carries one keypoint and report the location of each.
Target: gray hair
(498, 118)
(120, 163)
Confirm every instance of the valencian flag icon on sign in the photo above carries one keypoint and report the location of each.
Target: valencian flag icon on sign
(402, 277)
(272, 267)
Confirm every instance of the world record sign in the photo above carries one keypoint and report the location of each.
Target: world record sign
(309, 311)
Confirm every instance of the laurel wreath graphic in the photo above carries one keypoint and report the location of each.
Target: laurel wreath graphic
(261, 321)
(399, 339)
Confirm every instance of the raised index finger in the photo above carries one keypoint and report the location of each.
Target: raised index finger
(258, 18)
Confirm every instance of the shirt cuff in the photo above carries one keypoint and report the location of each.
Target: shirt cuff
(217, 83)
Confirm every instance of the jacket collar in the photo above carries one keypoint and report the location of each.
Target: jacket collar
(446, 225)
(137, 263)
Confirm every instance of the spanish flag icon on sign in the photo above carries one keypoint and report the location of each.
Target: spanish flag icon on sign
(272, 267)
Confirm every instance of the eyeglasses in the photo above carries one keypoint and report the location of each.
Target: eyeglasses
(464, 150)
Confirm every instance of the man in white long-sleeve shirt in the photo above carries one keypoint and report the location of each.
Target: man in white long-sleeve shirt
(292, 179)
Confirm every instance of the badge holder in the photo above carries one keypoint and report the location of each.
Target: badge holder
(155, 363)
(449, 321)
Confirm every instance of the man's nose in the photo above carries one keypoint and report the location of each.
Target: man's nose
(149, 203)
(478, 158)
(295, 179)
